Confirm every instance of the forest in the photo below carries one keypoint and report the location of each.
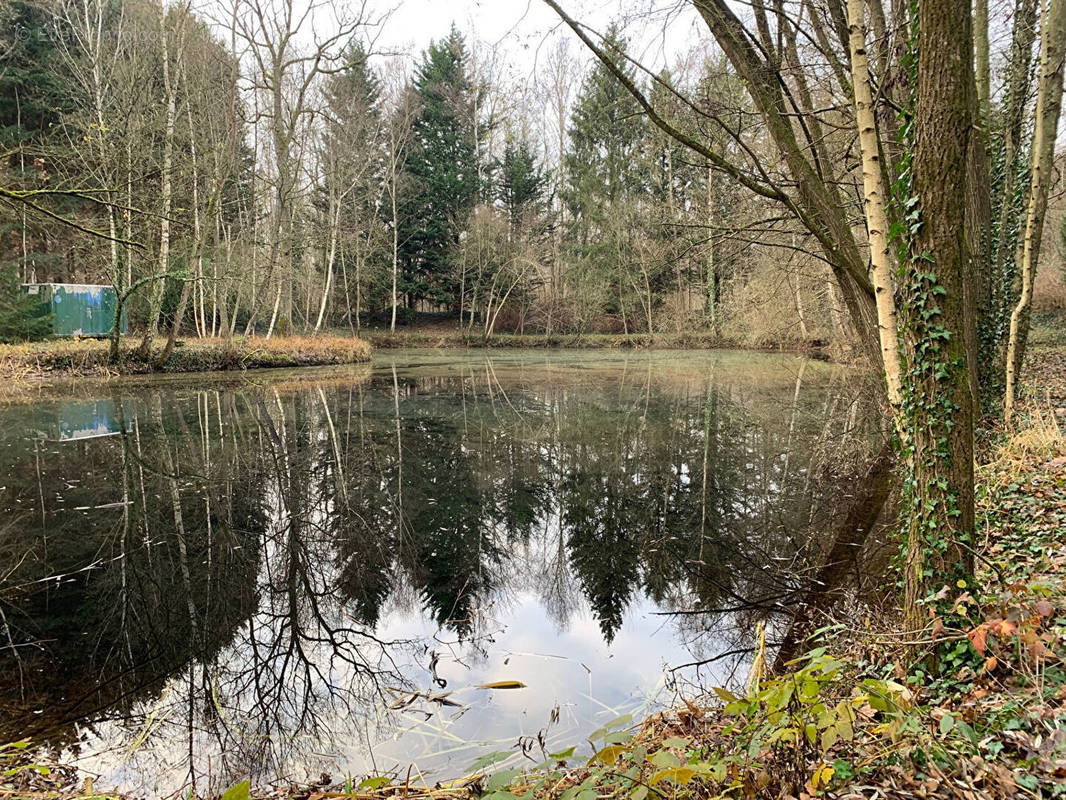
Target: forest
(535, 270)
(289, 187)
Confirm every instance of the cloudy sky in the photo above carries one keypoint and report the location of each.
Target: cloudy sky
(524, 29)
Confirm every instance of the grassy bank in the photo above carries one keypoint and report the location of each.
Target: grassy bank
(452, 337)
(70, 357)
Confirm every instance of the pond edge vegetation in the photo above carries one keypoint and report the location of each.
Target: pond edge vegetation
(90, 357)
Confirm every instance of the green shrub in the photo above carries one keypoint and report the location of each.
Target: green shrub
(22, 318)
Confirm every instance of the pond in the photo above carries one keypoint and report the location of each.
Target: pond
(313, 572)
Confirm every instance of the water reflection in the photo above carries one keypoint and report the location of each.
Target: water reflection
(250, 581)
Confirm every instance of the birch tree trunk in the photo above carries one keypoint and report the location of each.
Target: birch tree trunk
(334, 225)
(1048, 108)
(874, 199)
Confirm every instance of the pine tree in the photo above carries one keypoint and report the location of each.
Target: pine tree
(607, 131)
(522, 185)
(445, 169)
(21, 317)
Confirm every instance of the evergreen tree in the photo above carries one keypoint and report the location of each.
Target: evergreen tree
(606, 176)
(33, 93)
(352, 146)
(607, 132)
(353, 98)
(444, 168)
(22, 318)
(522, 184)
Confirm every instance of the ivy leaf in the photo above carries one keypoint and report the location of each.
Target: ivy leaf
(241, 791)
(677, 775)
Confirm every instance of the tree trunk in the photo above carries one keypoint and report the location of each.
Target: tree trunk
(819, 203)
(166, 191)
(1048, 107)
(712, 266)
(876, 219)
(981, 58)
(1012, 125)
(939, 495)
(333, 233)
(395, 252)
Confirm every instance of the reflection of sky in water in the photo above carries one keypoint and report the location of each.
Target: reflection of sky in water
(622, 437)
(573, 670)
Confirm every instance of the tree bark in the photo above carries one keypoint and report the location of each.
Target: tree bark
(981, 59)
(939, 503)
(1048, 108)
(876, 219)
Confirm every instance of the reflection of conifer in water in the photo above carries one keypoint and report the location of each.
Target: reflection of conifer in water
(311, 516)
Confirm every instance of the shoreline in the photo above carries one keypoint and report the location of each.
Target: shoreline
(459, 339)
(79, 358)
(34, 363)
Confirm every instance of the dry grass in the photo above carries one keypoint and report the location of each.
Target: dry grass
(694, 340)
(1039, 438)
(73, 357)
(1049, 290)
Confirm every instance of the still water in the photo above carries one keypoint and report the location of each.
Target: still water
(313, 571)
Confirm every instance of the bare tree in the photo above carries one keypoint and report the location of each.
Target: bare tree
(170, 98)
(286, 73)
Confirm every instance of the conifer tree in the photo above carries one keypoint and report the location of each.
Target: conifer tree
(33, 93)
(522, 185)
(606, 172)
(22, 318)
(607, 133)
(443, 168)
(353, 141)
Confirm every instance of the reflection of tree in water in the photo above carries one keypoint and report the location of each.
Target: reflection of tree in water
(195, 604)
(690, 493)
(264, 535)
(300, 661)
(117, 594)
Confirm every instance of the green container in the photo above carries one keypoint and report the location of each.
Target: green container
(78, 309)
